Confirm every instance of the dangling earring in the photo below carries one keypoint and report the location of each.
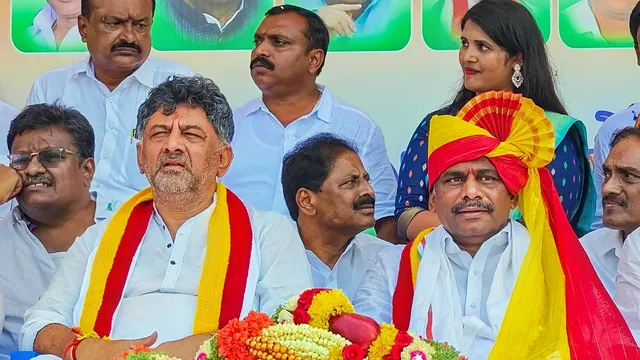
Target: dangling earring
(517, 78)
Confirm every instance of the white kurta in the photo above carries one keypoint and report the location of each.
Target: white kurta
(162, 287)
(468, 296)
(627, 291)
(603, 247)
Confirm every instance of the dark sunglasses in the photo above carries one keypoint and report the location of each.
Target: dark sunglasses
(47, 158)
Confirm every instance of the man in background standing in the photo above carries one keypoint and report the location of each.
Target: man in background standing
(108, 87)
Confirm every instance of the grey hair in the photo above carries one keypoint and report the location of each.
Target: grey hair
(194, 91)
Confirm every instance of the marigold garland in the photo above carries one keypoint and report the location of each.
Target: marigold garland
(326, 304)
(384, 343)
(231, 339)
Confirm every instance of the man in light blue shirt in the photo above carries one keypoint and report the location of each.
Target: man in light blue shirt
(54, 205)
(613, 124)
(328, 194)
(291, 44)
(107, 88)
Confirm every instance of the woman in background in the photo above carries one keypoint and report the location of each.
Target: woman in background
(502, 49)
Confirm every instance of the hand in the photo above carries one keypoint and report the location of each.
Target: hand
(10, 184)
(98, 349)
(184, 348)
(338, 19)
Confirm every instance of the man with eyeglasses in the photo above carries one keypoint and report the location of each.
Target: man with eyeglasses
(50, 169)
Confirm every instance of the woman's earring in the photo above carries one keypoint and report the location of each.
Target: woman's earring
(517, 78)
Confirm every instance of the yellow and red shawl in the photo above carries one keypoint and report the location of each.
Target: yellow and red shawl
(224, 273)
(558, 308)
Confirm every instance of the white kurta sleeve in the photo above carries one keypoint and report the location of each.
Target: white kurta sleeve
(57, 303)
(375, 294)
(627, 291)
(284, 269)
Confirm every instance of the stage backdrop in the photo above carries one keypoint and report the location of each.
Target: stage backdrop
(396, 72)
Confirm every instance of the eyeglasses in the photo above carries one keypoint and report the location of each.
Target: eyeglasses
(47, 158)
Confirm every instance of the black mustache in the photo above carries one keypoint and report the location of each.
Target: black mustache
(124, 44)
(182, 157)
(365, 200)
(41, 178)
(614, 199)
(457, 208)
(262, 61)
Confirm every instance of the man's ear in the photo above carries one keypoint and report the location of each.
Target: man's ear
(306, 201)
(316, 59)
(432, 199)
(224, 160)
(83, 25)
(89, 169)
(139, 157)
(514, 201)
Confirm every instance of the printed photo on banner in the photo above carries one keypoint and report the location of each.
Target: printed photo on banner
(441, 20)
(46, 26)
(595, 23)
(363, 25)
(207, 24)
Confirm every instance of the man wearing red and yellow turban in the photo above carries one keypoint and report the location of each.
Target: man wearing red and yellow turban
(487, 285)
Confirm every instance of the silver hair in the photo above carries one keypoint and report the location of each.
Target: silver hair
(194, 91)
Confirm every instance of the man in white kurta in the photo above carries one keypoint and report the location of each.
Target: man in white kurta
(327, 191)
(480, 281)
(182, 153)
(608, 246)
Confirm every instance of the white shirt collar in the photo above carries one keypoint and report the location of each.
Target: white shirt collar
(212, 19)
(144, 74)
(45, 18)
(206, 212)
(323, 107)
(584, 21)
(605, 244)
(502, 237)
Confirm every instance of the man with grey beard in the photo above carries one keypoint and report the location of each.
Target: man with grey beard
(187, 247)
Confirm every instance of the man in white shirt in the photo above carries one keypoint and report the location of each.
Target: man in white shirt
(480, 281)
(108, 88)
(613, 124)
(328, 194)
(56, 25)
(49, 175)
(613, 252)
(291, 44)
(175, 292)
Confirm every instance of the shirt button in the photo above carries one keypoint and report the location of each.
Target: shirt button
(97, 186)
(110, 100)
(168, 246)
(105, 156)
(110, 127)
(172, 262)
(473, 305)
(475, 272)
(331, 278)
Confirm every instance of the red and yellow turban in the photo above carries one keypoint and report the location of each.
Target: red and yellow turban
(558, 308)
